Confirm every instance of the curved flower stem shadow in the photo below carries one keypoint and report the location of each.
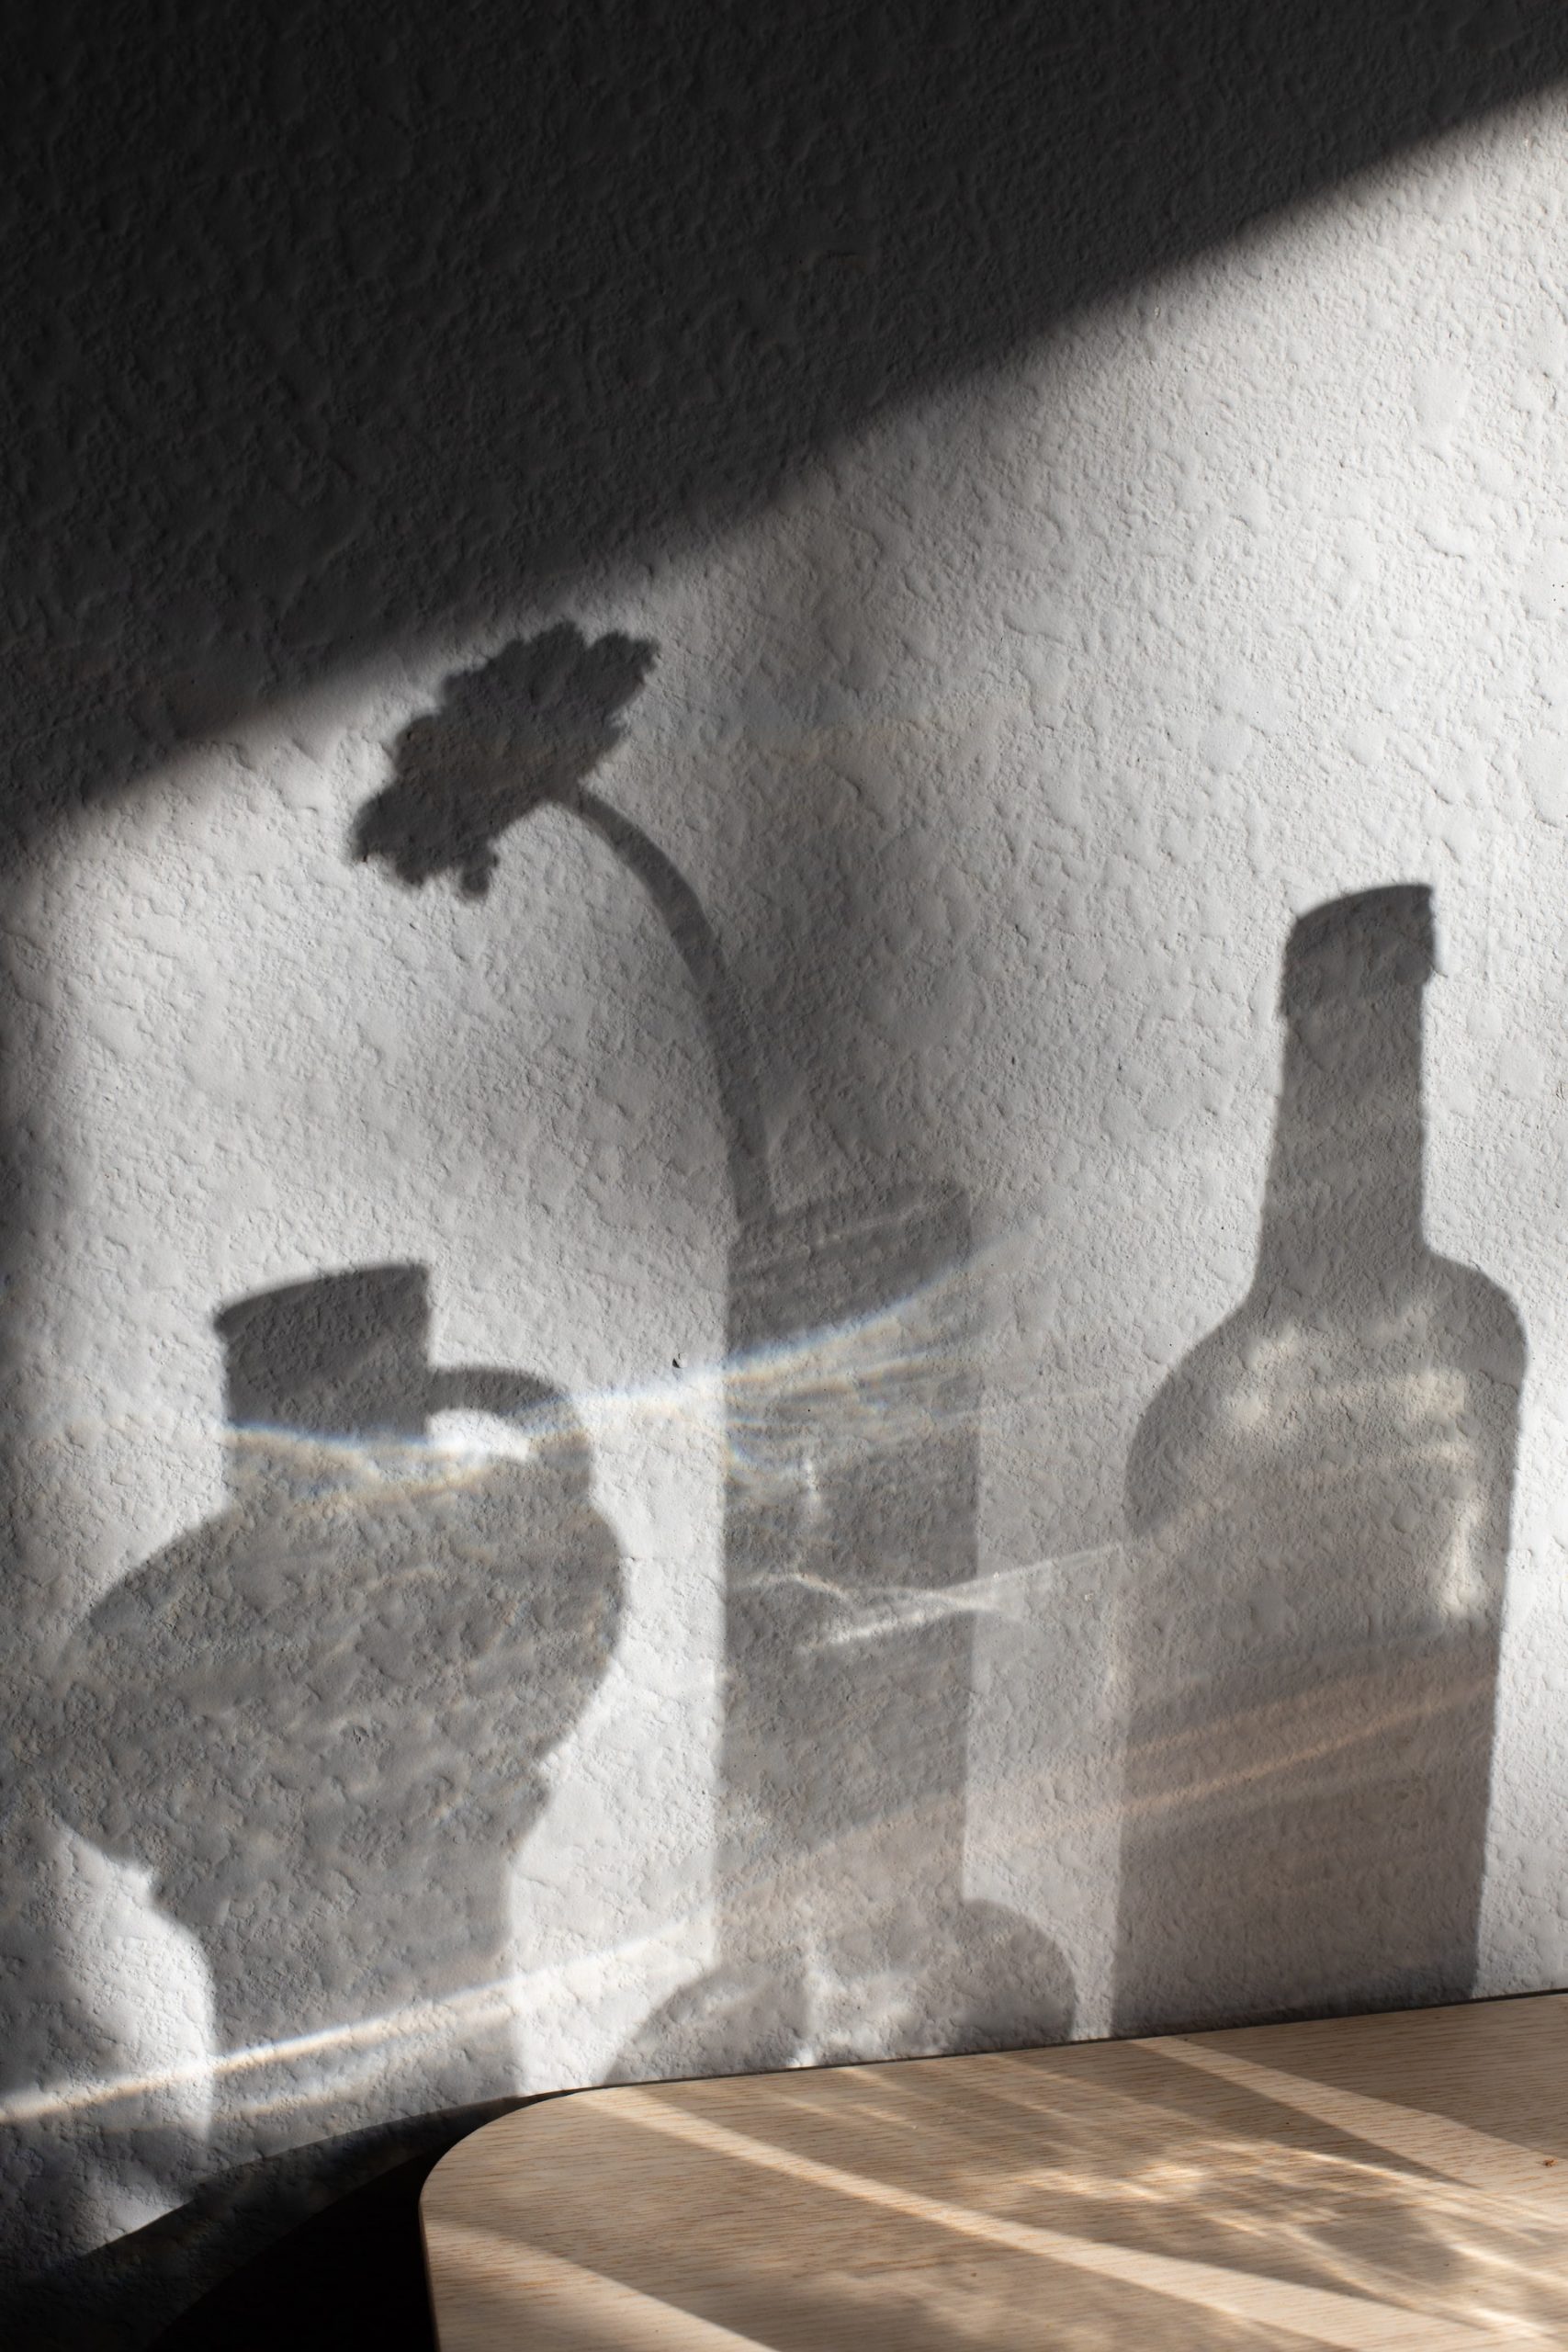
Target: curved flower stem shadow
(729, 1032)
(522, 732)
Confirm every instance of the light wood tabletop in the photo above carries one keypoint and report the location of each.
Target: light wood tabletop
(1385, 2181)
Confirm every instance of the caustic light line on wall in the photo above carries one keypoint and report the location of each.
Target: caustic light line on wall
(436, 2020)
(889, 1361)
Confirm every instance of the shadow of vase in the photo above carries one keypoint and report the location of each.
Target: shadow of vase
(318, 1719)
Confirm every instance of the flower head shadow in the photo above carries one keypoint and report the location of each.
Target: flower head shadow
(521, 733)
(524, 731)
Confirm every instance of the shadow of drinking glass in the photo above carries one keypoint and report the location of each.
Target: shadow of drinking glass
(851, 1496)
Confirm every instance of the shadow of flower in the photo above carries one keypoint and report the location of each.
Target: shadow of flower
(524, 731)
(518, 734)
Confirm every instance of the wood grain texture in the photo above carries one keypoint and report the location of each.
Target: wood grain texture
(1392, 2181)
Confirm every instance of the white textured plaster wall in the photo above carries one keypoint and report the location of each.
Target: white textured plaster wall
(1002, 752)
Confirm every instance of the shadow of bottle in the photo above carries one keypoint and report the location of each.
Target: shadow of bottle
(318, 1719)
(1319, 1498)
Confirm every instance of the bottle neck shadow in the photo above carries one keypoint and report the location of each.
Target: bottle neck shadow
(1343, 1203)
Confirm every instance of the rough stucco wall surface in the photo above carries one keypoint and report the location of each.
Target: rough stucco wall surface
(928, 1433)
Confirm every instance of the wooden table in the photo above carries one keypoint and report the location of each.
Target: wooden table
(1388, 2181)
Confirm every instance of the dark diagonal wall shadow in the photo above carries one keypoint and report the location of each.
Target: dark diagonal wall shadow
(1319, 1498)
(328, 324)
(319, 1720)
